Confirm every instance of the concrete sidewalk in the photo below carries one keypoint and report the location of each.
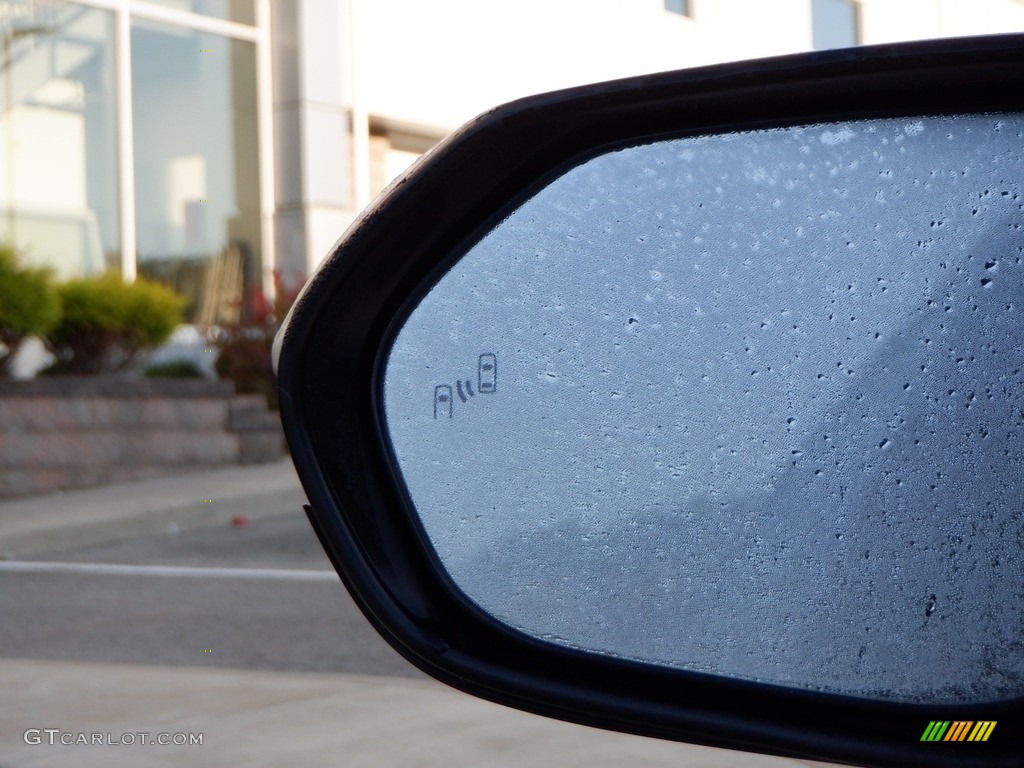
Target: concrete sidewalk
(145, 507)
(278, 719)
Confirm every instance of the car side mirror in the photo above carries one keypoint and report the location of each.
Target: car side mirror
(691, 405)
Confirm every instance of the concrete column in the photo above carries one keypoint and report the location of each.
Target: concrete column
(312, 130)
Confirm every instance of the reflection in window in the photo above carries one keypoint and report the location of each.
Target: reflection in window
(242, 11)
(58, 172)
(196, 175)
(835, 23)
(682, 7)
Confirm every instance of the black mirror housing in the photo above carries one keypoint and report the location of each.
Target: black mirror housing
(331, 353)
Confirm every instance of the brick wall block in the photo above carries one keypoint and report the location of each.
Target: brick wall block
(59, 449)
(62, 433)
(176, 447)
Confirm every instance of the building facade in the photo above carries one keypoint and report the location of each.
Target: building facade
(207, 143)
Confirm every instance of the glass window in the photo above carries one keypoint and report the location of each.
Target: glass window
(58, 136)
(835, 23)
(678, 6)
(196, 167)
(242, 11)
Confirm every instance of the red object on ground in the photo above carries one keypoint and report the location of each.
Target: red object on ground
(239, 520)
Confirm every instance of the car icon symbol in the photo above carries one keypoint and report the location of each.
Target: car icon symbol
(487, 373)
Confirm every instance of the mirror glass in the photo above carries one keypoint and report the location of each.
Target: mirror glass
(746, 404)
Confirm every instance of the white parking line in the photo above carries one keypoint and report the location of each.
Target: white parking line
(110, 569)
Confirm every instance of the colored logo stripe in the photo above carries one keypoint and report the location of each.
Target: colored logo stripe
(982, 731)
(958, 730)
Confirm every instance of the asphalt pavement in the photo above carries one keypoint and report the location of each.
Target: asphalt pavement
(200, 609)
(256, 596)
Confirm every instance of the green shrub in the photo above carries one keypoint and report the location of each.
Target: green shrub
(105, 323)
(173, 369)
(29, 305)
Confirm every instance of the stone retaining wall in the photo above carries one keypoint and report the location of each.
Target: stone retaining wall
(70, 432)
